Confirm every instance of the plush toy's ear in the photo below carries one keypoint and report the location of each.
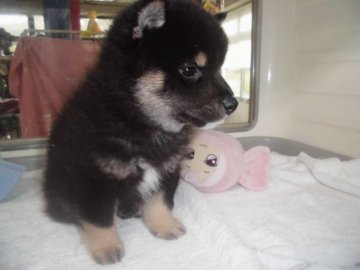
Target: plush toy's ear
(221, 16)
(151, 17)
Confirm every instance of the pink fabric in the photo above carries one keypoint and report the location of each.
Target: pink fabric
(236, 166)
(255, 172)
(43, 74)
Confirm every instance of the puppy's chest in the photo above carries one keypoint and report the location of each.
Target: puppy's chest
(120, 169)
(150, 172)
(151, 162)
(153, 174)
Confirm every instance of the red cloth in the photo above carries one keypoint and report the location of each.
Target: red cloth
(43, 74)
(75, 15)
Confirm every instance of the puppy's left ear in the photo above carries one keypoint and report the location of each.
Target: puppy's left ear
(151, 17)
(221, 16)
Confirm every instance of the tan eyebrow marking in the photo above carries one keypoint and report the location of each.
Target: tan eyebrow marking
(201, 59)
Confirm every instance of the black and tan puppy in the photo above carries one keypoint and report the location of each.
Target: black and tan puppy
(116, 146)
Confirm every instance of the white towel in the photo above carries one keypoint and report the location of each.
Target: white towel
(298, 223)
(341, 176)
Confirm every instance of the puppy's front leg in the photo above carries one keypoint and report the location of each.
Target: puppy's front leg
(103, 243)
(159, 219)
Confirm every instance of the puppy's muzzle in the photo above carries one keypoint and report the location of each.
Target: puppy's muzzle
(229, 102)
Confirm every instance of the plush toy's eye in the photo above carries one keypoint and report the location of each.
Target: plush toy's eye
(211, 160)
(190, 153)
(190, 72)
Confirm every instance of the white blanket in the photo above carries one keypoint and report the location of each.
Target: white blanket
(309, 218)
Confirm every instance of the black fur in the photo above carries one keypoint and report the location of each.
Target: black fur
(105, 120)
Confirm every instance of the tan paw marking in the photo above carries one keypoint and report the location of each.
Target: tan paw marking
(103, 243)
(159, 219)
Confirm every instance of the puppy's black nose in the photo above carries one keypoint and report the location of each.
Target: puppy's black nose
(230, 104)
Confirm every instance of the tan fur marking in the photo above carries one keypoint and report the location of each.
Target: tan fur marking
(104, 244)
(159, 219)
(153, 103)
(117, 168)
(201, 59)
(151, 82)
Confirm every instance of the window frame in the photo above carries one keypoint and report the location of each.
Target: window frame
(256, 11)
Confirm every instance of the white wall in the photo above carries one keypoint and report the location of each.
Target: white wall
(310, 73)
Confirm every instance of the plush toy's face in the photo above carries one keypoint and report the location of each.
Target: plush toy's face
(216, 162)
(200, 162)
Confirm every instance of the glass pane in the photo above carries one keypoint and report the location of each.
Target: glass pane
(236, 68)
(104, 24)
(17, 17)
(39, 22)
(14, 24)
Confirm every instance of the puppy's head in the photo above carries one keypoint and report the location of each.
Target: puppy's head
(179, 50)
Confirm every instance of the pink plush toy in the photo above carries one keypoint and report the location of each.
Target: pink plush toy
(216, 162)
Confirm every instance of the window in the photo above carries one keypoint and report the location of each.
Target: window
(236, 68)
(240, 69)
(14, 24)
(39, 22)
(104, 24)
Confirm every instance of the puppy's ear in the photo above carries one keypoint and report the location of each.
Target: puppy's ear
(221, 16)
(151, 17)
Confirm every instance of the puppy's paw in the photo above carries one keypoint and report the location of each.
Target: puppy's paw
(167, 229)
(103, 244)
(108, 255)
(159, 219)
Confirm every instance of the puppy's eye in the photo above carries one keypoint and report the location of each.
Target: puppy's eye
(190, 72)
